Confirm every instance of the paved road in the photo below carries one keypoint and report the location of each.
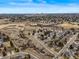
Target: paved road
(66, 46)
(33, 52)
(42, 44)
(6, 25)
(17, 54)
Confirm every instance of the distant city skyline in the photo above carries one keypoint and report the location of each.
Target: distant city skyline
(39, 6)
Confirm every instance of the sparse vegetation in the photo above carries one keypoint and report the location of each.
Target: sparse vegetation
(39, 36)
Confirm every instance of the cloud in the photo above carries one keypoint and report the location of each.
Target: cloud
(28, 6)
(73, 4)
(28, 3)
(41, 1)
(46, 9)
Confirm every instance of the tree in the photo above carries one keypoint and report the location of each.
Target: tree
(4, 53)
(28, 33)
(11, 44)
(5, 49)
(50, 44)
(27, 56)
(16, 49)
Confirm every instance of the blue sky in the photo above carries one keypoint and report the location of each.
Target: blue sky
(39, 6)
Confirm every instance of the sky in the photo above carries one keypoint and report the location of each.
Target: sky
(39, 6)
